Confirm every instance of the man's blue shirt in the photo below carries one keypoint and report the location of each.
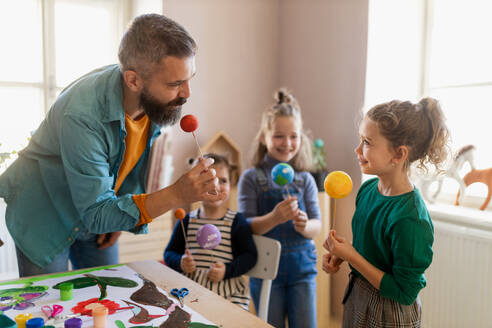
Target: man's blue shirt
(62, 184)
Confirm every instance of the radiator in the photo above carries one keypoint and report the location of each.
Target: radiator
(8, 260)
(459, 280)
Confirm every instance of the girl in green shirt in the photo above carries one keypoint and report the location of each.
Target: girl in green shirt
(392, 229)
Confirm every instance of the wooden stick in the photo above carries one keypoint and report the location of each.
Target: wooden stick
(332, 223)
(201, 155)
(184, 233)
(196, 141)
(287, 188)
(213, 259)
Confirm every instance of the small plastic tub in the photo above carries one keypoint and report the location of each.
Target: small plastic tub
(7, 322)
(66, 291)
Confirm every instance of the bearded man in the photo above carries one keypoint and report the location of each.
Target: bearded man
(81, 180)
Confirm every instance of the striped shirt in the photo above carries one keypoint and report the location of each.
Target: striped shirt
(236, 250)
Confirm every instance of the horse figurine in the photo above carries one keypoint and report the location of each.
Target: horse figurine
(465, 154)
(483, 176)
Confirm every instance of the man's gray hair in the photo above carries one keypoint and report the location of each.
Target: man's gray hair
(150, 38)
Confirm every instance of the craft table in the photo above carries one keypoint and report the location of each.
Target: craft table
(203, 301)
(210, 305)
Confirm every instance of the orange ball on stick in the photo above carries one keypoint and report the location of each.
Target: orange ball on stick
(180, 213)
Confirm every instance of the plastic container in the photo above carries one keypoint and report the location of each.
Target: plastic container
(73, 323)
(100, 315)
(66, 291)
(6, 322)
(21, 319)
(35, 323)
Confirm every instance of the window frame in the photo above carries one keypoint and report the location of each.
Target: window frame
(471, 200)
(427, 14)
(48, 85)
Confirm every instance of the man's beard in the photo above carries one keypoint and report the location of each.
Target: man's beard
(161, 113)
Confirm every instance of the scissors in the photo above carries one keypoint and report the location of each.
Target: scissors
(51, 312)
(180, 294)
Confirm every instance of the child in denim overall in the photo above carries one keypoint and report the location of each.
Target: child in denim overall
(293, 220)
(392, 229)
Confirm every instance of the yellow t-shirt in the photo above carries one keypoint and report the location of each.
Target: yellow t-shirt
(136, 141)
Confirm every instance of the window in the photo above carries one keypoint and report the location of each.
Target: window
(46, 44)
(436, 48)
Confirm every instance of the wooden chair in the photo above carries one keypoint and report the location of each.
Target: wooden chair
(266, 268)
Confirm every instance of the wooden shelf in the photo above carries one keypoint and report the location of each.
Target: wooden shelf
(222, 144)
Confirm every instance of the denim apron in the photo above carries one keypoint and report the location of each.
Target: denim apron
(293, 292)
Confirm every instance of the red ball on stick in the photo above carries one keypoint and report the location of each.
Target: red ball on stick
(189, 123)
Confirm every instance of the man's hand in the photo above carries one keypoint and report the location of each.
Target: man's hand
(187, 262)
(106, 240)
(286, 210)
(216, 272)
(198, 184)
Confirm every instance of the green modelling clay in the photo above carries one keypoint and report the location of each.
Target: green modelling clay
(200, 325)
(23, 290)
(29, 281)
(120, 324)
(7, 322)
(102, 282)
(78, 283)
(20, 298)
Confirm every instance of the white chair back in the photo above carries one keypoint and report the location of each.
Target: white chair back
(266, 268)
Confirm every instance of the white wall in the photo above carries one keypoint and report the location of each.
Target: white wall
(323, 47)
(139, 7)
(237, 69)
(248, 48)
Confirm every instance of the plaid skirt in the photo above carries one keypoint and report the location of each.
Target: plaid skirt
(365, 308)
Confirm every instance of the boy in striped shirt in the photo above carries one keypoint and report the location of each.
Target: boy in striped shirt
(221, 268)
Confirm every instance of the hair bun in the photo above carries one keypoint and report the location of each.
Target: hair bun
(283, 96)
(428, 104)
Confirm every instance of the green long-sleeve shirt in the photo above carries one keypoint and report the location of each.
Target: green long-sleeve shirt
(395, 234)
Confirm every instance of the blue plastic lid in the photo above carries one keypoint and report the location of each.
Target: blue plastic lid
(35, 323)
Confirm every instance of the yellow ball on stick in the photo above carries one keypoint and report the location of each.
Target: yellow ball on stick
(338, 184)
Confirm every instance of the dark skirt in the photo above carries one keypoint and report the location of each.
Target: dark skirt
(365, 308)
